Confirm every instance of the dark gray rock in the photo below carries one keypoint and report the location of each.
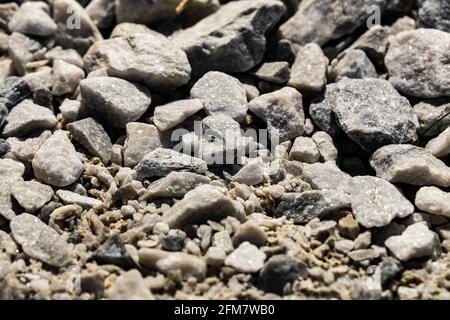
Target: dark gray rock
(113, 252)
(102, 13)
(321, 111)
(434, 14)
(305, 206)
(5, 147)
(418, 64)
(232, 39)
(91, 135)
(113, 100)
(173, 241)
(13, 90)
(146, 12)
(279, 271)
(276, 72)
(353, 64)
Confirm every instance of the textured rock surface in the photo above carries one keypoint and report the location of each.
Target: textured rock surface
(141, 138)
(32, 18)
(57, 162)
(31, 195)
(376, 202)
(433, 200)
(39, 241)
(410, 164)
(69, 197)
(172, 114)
(418, 64)
(113, 100)
(434, 14)
(232, 39)
(440, 146)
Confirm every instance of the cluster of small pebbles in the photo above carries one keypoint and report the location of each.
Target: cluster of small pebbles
(349, 198)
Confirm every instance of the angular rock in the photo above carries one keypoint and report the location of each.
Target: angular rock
(68, 55)
(321, 111)
(279, 271)
(173, 241)
(10, 173)
(67, 77)
(5, 147)
(304, 149)
(57, 162)
(374, 43)
(11, 170)
(6, 69)
(275, 72)
(160, 162)
(251, 232)
(434, 14)
(23, 50)
(115, 101)
(172, 114)
(417, 62)
(410, 164)
(440, 146)
(142, 57)
(320, 21)
(201, 204)
(221, 94)
(25, 149)
(141, 139)
(70, 110)
(7, 10)
(113, 252)
(247, 258)
(91, 135)
(283, 112)
(326, 176)
(32, 18)
(251, 174)
(129, 286)
(376, 202)
(232, 39)
(31, 195)
(429, 112)
(13, 90)
(433, 200)
(324, 142)
(174, 185)
(69, 197)
(39, 241)
(415, 242)
(309, 71)
(372, 113)
(27, 117)
(353, 64)
(164, 261)
(75, 28)
(305, 206)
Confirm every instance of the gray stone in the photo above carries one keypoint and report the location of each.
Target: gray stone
(91, 135)
(251, 232)
(429, 112)
(363, 255)
(410, 164)
(251, 174)
(11, 169)
(25, 149)
(372, 113)
(31, 195)
(10, 173)
(222, 240)
(146, 12)
(415, 242)
(173, 240)
(440, 146)
(417, 63)
(324, 142)
(305, 206)
(174, 185)
(57, 162)
(283, 112)
(42, 78)
(221, 94)
(142, 57)
(129, 286)
(202, 204)
(6, 69)
(32, 18)
(23, 50)
(433, 200)
(304, 149)
(75, 28)
(160, 162)
(376, 202)
(5, 147)
(353, 64)
(67, 77)
(374, 43)
(172, 114)
(70, 110)
(215, 256)
(434, 14)
(309, 71)
(27, 117)
(247, 258)
(115, 101)
(232, 39)
(165, 262)
(7, 10)
(69, 197)
(276, 72)
(13, 90)
(326, 176)
(102, 13)
(68, 55)
(279, 271)
(127, 29)
(320, 21)
(321, 111)
(402, 24)
(141, 139)
(113, 252)
(39, 241)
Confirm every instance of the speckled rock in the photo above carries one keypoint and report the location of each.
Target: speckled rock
(31, 195)
(129, 286)
(276, 72)
(172, 114)
(141, 138)
(326, 176)
(67, 77)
